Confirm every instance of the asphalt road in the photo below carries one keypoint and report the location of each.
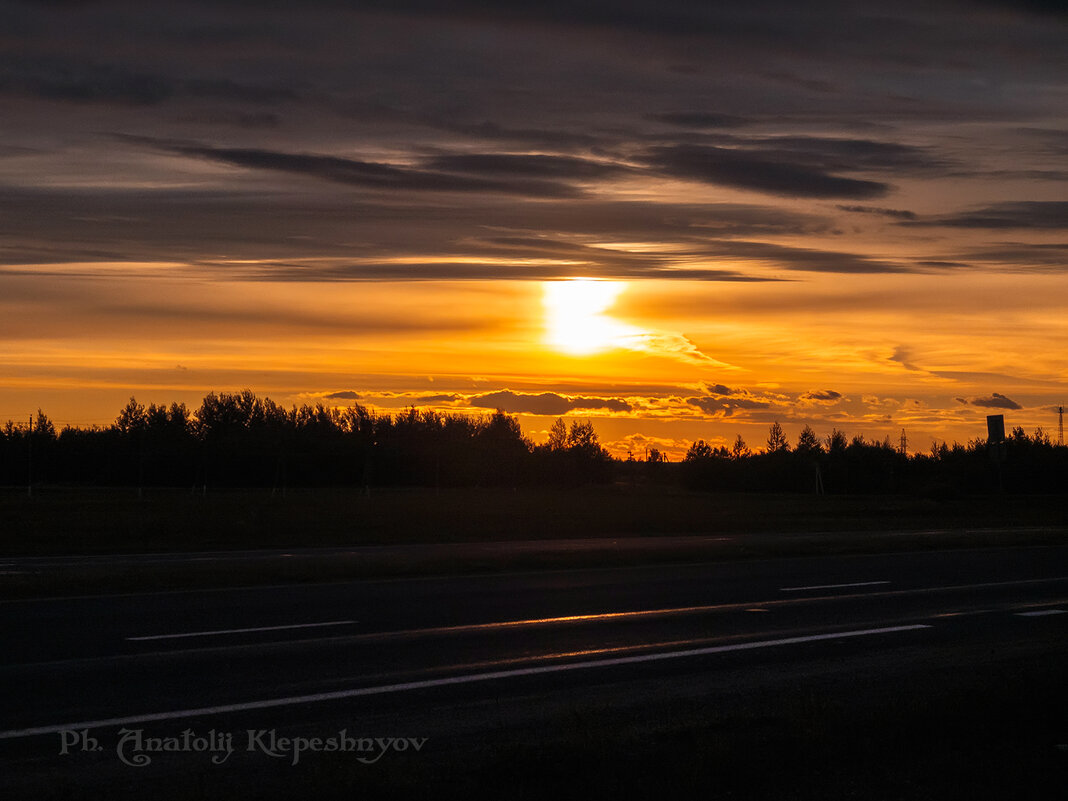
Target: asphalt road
(898, 675)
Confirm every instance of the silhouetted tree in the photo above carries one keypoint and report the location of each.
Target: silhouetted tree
(558, 435)
(131, 418)
(581, 437)
(836, 442)
(739, 450)
(698, 450)
(808, 443)
(43, 429)
(777, 439)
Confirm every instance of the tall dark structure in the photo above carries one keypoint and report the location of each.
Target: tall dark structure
(995, 428)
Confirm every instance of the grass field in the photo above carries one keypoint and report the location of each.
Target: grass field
(82, 521)
(335, 535)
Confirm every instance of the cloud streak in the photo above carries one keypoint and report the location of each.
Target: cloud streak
(1037, 215)
(759, 172)
(369, 174)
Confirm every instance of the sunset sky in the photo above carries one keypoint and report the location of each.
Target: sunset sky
(675, 220)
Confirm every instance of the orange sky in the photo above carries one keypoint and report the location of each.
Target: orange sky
(665, 362)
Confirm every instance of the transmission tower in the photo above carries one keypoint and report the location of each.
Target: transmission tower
(1060, 425)
(903, 447)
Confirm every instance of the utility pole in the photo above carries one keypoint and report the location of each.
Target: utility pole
(29, 461)
(140, 463)
(1060, 425)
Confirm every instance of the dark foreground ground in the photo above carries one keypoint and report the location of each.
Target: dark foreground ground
(66, 541)
(930, 674)
(62, 521)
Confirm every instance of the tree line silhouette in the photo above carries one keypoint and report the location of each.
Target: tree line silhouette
(241, 440)
(836, 464)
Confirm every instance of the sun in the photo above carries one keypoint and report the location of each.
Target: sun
(575, 318)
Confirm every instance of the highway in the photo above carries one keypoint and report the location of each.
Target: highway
(541, 679)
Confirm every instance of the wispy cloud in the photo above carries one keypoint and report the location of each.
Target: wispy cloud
(1037, 214)
(897, 214)
(370, 174)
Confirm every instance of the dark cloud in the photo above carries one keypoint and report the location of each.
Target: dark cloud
(533, 137)
(809, 84)
(718, 389)
(941, 264)
(668, 17)
(536, 166)
(355, 239)
(903, 356)
(257, 119)
(470, 270)
(368, 174)
(698, 119)
(821, 395)
(336, 236)
(346, 394)
(1053, 8)
(801, 259)
(897, 214)
(840, 154)
(759, 172)
(70, 81)
(1038, 214)
(222, 89)
(668, 222)
(726, 407)
(544, 403)
(795, 166)
(995, 401)
(1041, 256)
(411, 398)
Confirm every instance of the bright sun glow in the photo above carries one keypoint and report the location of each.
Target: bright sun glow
(575, 316)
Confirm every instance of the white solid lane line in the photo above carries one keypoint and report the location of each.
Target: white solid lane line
(647, 613)
(271, 703)
(833, 586)
(240, 631)
(1040, 613)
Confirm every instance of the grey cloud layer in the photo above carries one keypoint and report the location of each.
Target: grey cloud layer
(353, 238)
(472, 139)
(796, 167)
